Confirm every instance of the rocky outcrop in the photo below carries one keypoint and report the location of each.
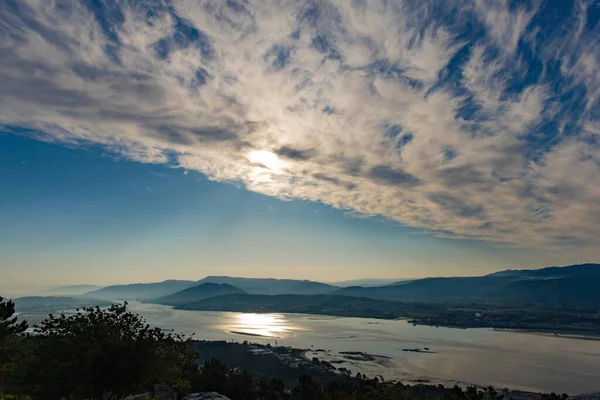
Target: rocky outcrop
(207, 396)
(143, 396)
(163, 392)
(587, 396)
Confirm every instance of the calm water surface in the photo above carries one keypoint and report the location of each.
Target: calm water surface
(476, 356)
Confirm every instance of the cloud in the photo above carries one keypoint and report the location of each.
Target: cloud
(466, 119)
(294, 154)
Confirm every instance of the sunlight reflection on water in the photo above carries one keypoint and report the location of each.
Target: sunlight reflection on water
(265, 325)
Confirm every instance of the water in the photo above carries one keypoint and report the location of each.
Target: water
(524, 361)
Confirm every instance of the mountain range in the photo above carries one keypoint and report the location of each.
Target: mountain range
(552, 285)
(548, 285)
(156, 290)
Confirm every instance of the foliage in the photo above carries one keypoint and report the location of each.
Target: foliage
(8, 321)
(10, 329)
(98, 351)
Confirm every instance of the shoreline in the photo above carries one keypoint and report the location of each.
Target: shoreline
(562, 332)
(413, 379)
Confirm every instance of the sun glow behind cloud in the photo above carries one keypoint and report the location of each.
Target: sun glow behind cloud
(468, 119)
(266, 159)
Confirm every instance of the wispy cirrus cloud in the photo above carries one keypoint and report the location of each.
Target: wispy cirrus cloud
(472, 119)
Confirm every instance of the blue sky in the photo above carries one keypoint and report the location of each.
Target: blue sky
(325, 140)
(80, 215)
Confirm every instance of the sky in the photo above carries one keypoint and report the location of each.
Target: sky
(326, 140)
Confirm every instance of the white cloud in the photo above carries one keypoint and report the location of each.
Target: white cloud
(505, 26)
(339, 102)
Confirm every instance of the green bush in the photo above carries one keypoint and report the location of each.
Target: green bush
(98, 351)
(8, 321)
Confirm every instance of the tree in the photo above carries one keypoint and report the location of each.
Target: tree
(99, 351)
(307, 389)
(272, 390)
(8, 320)
(9, 340)
(214, 376)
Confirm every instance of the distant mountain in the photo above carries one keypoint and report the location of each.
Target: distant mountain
(590, 270)
(72, 289)
(272, 286)
(557, 285)
(140, 291)
(553, 285)
(197, 293)
(428, 289)
(369, 282)
(400, 282)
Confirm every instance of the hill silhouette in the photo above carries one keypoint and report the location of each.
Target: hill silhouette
(272, 286)
(72, 290)
(197, 293)
(140, 291)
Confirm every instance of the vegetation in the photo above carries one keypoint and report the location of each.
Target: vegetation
(8, 321)
(97, 351)
(10, 329)
(112, 353)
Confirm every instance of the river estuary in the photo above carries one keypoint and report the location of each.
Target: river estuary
(525, 361)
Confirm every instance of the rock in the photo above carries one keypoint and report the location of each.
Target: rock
(163, 392)
(206, 396)
(587, 396)
(143, 396)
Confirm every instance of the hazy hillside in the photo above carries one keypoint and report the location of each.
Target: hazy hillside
(140, 291)
(571, 284)
(369, 282)
(197, 293)
(429, 289)
(72, 290)
(272, 286)
(553, 272)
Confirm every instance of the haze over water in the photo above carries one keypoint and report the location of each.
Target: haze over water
(512, 360)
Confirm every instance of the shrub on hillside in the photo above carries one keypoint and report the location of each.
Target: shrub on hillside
(98, 351)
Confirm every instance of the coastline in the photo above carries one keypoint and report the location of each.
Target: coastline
(559, 331)
(348, 360)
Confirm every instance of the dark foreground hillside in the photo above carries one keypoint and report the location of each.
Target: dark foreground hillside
(113, 354)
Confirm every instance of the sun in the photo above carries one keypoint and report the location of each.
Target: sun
(267, 159)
